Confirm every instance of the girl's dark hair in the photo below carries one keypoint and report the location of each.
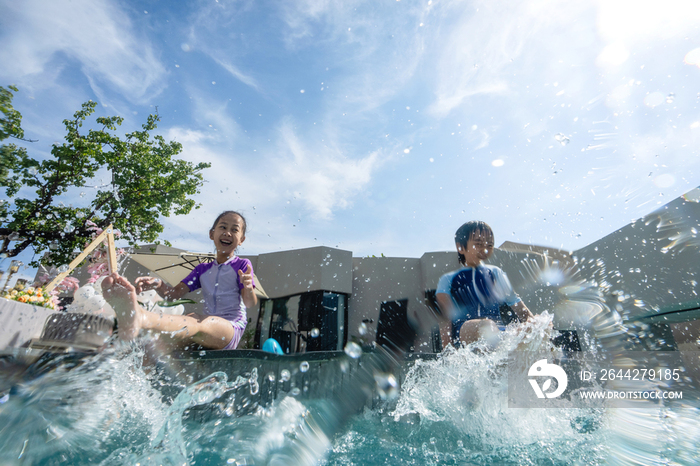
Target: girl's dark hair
(466, 231)
(245, 224)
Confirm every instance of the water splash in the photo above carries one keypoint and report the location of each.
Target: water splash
(169, 447)
(454, 410)
(70, 409)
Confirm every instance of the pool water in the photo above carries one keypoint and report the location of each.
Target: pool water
(111, 409)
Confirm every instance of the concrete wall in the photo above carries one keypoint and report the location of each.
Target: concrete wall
(650, 266)
(288, 273)
(379, 279)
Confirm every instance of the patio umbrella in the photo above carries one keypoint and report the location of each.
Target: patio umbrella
(173, 267)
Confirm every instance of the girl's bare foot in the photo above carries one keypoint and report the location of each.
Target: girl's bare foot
(121, 295)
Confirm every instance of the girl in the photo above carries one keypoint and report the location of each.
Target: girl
(473, 298)
(225, 283)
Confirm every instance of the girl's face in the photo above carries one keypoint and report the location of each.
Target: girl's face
(227, 234)
(479, 248)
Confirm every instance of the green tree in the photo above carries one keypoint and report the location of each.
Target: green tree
(146, 182)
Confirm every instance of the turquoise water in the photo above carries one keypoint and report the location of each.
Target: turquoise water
(113, 409)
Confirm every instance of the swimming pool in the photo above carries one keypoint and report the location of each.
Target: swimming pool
(113, 409)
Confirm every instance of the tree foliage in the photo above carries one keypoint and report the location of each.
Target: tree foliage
(145, 182)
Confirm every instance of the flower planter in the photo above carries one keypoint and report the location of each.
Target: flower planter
(20, 322)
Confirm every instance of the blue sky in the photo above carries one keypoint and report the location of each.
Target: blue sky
(381, 126)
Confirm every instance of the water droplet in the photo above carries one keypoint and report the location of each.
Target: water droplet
(254, 388)
(202, 353)
(80, 214)
(33, 171)
(285, 375)
(82, 193)
(563, 140)
(3, 256)
(367, 279)
(53, 246)
(362, 329)
(271, 377)
(304, 366)
(295, 391)
(69, 228)
(387, 387)
(315, 333)
(253, 381)
(670, 97)
(353, 350)
(63, 268)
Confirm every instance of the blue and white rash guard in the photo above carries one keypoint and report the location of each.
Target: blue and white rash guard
(477, 293)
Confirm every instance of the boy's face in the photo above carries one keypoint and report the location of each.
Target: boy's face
(479, 248)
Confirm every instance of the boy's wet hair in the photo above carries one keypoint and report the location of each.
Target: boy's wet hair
(466, 231)
(245, 224)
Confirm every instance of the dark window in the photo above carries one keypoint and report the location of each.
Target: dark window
(311, 321)
(435, 339)
(393, 329)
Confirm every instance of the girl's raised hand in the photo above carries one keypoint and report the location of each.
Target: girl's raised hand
(147, 283)
(246, 278)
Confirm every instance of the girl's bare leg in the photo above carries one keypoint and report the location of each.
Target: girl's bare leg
(210, 332)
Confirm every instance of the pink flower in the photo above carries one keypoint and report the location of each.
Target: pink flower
(97, 270)
(69, 284)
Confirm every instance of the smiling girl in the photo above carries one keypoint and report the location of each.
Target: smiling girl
(226, 283)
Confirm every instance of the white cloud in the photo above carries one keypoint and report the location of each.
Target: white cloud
(323, 178)
(230, 183)
(613, 54)
(629, 21)
(206, 27)
(378, 47)
(233, 70)
(286, 190)
(96, 33)
(481, 45)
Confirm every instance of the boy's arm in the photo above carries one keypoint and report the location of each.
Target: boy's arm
(519, 307)
(522, 311)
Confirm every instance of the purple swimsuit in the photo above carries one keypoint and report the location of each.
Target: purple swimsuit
(221, 289)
